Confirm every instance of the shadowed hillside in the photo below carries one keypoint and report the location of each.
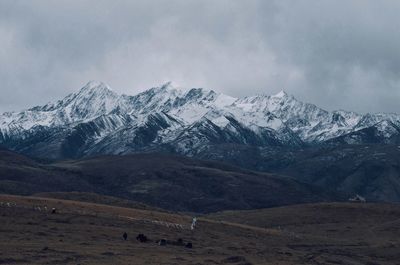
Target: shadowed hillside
(164, 181)
(371, 170)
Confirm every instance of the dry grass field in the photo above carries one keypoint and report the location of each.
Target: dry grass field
(88, 233)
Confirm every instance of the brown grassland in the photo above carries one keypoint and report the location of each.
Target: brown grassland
(89, 233)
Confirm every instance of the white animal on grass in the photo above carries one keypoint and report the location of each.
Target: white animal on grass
(194, 221)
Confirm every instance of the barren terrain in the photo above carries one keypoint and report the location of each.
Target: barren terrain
(88, 233)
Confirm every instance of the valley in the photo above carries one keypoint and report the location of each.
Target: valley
(199, 132)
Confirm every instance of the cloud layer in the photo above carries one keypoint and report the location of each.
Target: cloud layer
(336, 54)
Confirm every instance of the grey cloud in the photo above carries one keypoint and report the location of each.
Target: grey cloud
(336, 54)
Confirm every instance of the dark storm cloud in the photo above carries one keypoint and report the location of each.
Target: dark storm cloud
(337, 54)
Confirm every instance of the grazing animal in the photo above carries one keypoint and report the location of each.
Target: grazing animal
(53, 211)
(162, 242)
(194, 221)
(142, 238)
(189, 245)
(125, 235)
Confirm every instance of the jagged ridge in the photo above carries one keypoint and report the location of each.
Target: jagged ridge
(96, 120)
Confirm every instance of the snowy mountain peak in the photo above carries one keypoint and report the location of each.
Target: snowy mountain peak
(166, 86)
(260, 120)
(169, 87)
(93, 84)
(95, 87)
(280, 94)
(92, 100)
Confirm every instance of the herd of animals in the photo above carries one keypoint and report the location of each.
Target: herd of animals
(161, 242)
(140, 237)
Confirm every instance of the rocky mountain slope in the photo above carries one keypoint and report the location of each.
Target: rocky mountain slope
(370, 170)
(96, 120)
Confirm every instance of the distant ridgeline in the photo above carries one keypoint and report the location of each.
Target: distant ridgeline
(192, 122)
(341, 150)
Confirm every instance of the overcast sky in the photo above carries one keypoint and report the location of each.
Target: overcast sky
(336, 54)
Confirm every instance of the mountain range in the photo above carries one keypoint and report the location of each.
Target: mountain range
(96, 120)
(337, 152)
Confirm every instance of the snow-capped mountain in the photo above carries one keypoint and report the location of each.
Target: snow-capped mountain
(96, 120)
